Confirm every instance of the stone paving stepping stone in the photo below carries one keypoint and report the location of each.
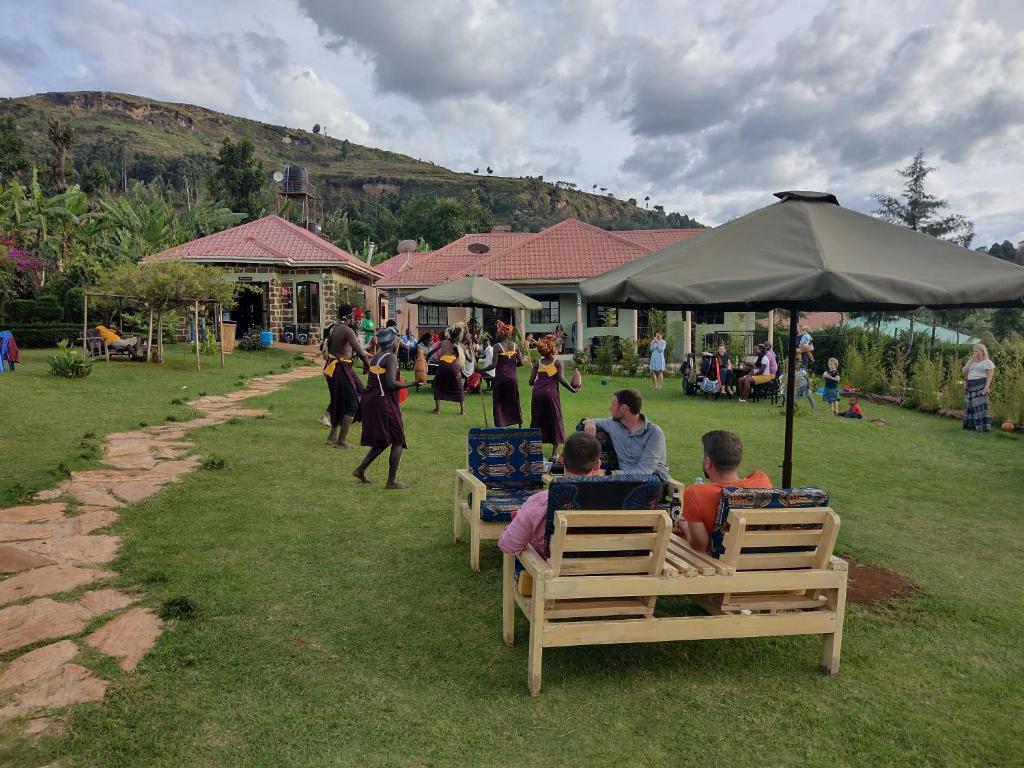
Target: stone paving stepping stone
(38, 663)
(49, 580)
(89, 550)
(49, 494)
(87, 522)
(128, 636)
(71, 684)
(25, 531)
(32, 513)
(14, 559)
(134, 491)
(91, 494)
(103, 601)
(41, 619)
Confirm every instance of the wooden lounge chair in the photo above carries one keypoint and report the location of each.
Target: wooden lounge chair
(776, 576)
(503, 469)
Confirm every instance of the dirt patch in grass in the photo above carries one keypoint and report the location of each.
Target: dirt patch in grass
(874, 586)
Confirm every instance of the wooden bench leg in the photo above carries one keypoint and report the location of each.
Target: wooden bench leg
(457, 515)
(536, 637)
(474, 545)
(832, 645)
(508, 602)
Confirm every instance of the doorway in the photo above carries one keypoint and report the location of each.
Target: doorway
(249, 311)
(491, 317)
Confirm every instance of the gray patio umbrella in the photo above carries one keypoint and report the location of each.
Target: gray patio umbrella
(474, 291)
(805, 253)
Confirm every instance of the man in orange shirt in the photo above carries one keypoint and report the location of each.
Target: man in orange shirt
(723, 452)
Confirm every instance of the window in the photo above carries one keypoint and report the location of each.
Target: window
(287, 294)
(432, 316)
(597, 313)
(307, 303)
(709, 318)
(548, 312)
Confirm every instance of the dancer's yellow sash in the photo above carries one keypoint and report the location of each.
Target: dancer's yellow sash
(329, 368)
(448, 358)
(550, 370)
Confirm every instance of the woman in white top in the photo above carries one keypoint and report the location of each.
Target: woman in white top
(978, 372)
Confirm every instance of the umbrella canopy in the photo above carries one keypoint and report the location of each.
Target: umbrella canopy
(806, 252)
(474, 291)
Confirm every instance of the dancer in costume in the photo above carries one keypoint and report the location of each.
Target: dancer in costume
(546, 406)
(506, 358)
(448, 378)
(342, 346)
(379, 410)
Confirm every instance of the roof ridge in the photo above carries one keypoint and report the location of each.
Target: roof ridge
(317, 240)
(533, 236)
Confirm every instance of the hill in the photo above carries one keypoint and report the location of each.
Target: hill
(149, 139)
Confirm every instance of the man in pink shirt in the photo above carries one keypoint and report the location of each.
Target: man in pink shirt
(581, 457)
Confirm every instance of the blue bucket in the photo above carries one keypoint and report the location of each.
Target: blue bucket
(267, 337)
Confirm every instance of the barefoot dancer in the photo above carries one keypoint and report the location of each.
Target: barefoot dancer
(448, 378)
(506, 359)
(546, 406)
(345, 386)
(379, 410)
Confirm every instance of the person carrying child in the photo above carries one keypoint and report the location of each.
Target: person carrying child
(831, 395)
(805, 346)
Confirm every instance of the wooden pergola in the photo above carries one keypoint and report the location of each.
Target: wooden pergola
(217, 309)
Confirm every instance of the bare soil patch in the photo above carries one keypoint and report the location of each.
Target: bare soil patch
(874, 586)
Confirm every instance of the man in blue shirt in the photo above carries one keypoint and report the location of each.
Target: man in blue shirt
(639, 444)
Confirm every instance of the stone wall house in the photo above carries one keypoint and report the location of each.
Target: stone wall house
(297, 277)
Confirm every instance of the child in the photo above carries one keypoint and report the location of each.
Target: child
(831, 376)
(806, 346)
(854, 411)
(802, 386)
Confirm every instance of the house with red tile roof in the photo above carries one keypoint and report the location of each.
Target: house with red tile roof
(297, 277)
(547, 265)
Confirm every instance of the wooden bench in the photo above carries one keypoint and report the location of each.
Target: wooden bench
(753, 590)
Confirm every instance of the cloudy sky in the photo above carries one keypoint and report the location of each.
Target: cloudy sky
(708, 107)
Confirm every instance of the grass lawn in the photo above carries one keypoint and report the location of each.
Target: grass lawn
(339, 625)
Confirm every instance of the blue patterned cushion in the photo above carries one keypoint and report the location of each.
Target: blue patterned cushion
(500, 504)
(609, 461)
(506, 458)
(760, 498)
(597, 492)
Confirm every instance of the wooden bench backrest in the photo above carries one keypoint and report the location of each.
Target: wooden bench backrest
(755, 536)
(601, 542)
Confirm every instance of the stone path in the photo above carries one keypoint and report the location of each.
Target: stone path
(47, 552)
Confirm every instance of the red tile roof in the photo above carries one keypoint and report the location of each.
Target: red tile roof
(436, 267)
(270, 240)
(656, 239)
(815, 320)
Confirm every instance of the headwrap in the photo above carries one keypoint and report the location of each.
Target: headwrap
(386, 337)
(505, 330)
(547, 345)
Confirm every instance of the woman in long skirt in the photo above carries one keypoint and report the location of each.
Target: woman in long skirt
(379, 410)
(546, 405)
(506, 358)
(448, 378)
(978, 372)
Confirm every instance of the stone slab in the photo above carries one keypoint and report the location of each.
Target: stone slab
(128, 636)
(25, 531)
(38, 663)
(88, 550)
(134, 491)
(87, 522)
(15, 559)
(41, 619)
(71, 684)
(32, 513)
(102, 601)
(49, 580)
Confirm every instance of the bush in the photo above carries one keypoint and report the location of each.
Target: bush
(38, 335)
(23, 310)
(48, 310)
(604, 358)
(582, 361)
(1008, 398)
(927, 385)
(69, 363)
(251, 341)
(73, 305)
(630, 362)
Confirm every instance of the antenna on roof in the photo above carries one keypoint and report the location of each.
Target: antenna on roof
(407, 247)
(278, 177)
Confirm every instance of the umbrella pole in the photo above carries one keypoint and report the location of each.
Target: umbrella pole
(787, 459)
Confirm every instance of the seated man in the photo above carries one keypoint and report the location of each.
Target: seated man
(723, 453)
(761, 373)
(581, 456)
(639, 444)
(115, 342)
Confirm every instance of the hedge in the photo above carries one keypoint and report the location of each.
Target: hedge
(44, 334)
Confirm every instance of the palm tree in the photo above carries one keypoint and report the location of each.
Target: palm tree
(62, 137)
(647, 199)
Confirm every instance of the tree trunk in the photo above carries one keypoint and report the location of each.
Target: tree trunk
(160, 336)
(931, 343)
(149, 341)
(910, 333)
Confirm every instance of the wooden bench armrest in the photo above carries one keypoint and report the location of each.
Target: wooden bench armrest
(463, 477)
(534, 564)
(676, 486)
(838, 564)
(703, 562)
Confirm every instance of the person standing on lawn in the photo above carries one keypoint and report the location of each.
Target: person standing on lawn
(448, 377)
(831, 377)
(657, 365)
(546, 406)
(379, 409)
(723, 452)
(979, 372)
(506, 357)
(342, 346)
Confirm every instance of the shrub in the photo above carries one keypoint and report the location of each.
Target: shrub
(48, 310)
(927, 384)
(1008, 398)
(251, 341)
(952, 386)
(72, 305)
(34, 336)
(630, 361)
(583, 361)
(604, 359)
(210, 346)
(69, 363)
(23, 310)
(896, 380)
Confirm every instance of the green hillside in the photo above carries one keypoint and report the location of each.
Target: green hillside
(151, 139)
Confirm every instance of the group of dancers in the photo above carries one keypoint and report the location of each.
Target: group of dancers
(377, 405)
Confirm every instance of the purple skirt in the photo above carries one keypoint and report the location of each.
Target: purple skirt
(546, 411)
(382, 419)
(448, 382)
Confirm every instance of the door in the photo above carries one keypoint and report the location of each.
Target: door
(491, 317)
(249, 311)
